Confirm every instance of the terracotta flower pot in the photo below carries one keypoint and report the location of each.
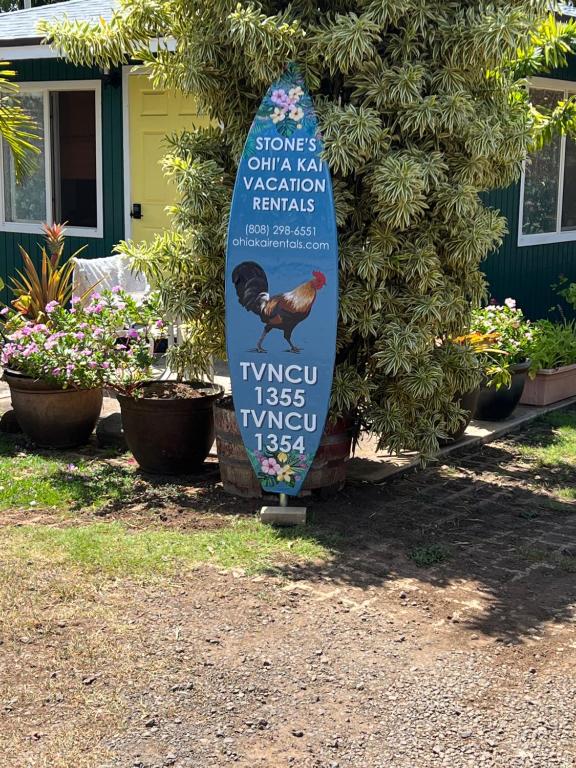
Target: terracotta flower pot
(53, 417)
(499, 404)
(170, 435)
(550, 386)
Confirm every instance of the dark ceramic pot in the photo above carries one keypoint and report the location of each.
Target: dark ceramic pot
(499, 404)
(468, 402)
(53, 417)
(170, 436)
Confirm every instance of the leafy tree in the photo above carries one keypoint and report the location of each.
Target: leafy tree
(17, 128)
(551, 43)
(421, 109)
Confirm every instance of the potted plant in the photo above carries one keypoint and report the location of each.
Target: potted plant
(479, 344)
(552, 375)
(169, 425)
(34, 288)
(506, 366)
(56, 368)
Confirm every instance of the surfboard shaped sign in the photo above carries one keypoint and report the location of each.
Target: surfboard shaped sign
(282, 288)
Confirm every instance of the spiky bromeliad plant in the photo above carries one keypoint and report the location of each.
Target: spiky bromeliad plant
(421, 110)
(34, 288)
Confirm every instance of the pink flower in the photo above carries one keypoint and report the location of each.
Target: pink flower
(7, 353)
(511, 303)
(270, 466)
(70, 368)
(105, 364)
(115, 289)
(97, 332)
(79, 335)
(92, 364)
(133, 334)
(51, 306)
(4, 311)
(159, 324)
(75, 300)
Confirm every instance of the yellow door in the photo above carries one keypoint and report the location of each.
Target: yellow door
(153, 115)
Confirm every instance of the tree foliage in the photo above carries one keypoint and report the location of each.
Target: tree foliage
(551, 43)
(17, 128)
(421, 108)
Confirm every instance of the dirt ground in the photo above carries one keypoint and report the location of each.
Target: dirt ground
(378, 657)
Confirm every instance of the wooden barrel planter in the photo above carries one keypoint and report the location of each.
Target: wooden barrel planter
(327, 474)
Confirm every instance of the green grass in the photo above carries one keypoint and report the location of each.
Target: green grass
(555, 445)
(112, 549)
(429, 554)
(41, 480)
(537, 555)
(566, 494)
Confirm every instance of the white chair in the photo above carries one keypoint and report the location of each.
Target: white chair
(106, 273)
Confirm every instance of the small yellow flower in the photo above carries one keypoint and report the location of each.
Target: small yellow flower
(282, 457)
(283, 475)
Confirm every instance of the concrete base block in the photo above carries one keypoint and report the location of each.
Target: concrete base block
(283, 515)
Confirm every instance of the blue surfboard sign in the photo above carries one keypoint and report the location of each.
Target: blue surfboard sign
(282, 287)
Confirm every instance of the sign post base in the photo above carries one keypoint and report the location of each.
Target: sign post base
(283, 515)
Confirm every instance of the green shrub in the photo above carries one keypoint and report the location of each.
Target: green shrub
(553, 345)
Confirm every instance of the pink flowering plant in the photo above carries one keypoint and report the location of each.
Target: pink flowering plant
(87, 345)
(511, 335)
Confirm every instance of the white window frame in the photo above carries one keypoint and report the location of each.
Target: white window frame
(563, 87)
(46, 87)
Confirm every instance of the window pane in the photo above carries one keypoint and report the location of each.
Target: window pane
(74, 157)
(541, 177)
(569, 194)
(27, 201)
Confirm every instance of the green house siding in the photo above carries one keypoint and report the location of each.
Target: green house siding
(527, 273)
(112, 166)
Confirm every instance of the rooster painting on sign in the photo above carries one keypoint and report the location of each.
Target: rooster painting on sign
(283, 311)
